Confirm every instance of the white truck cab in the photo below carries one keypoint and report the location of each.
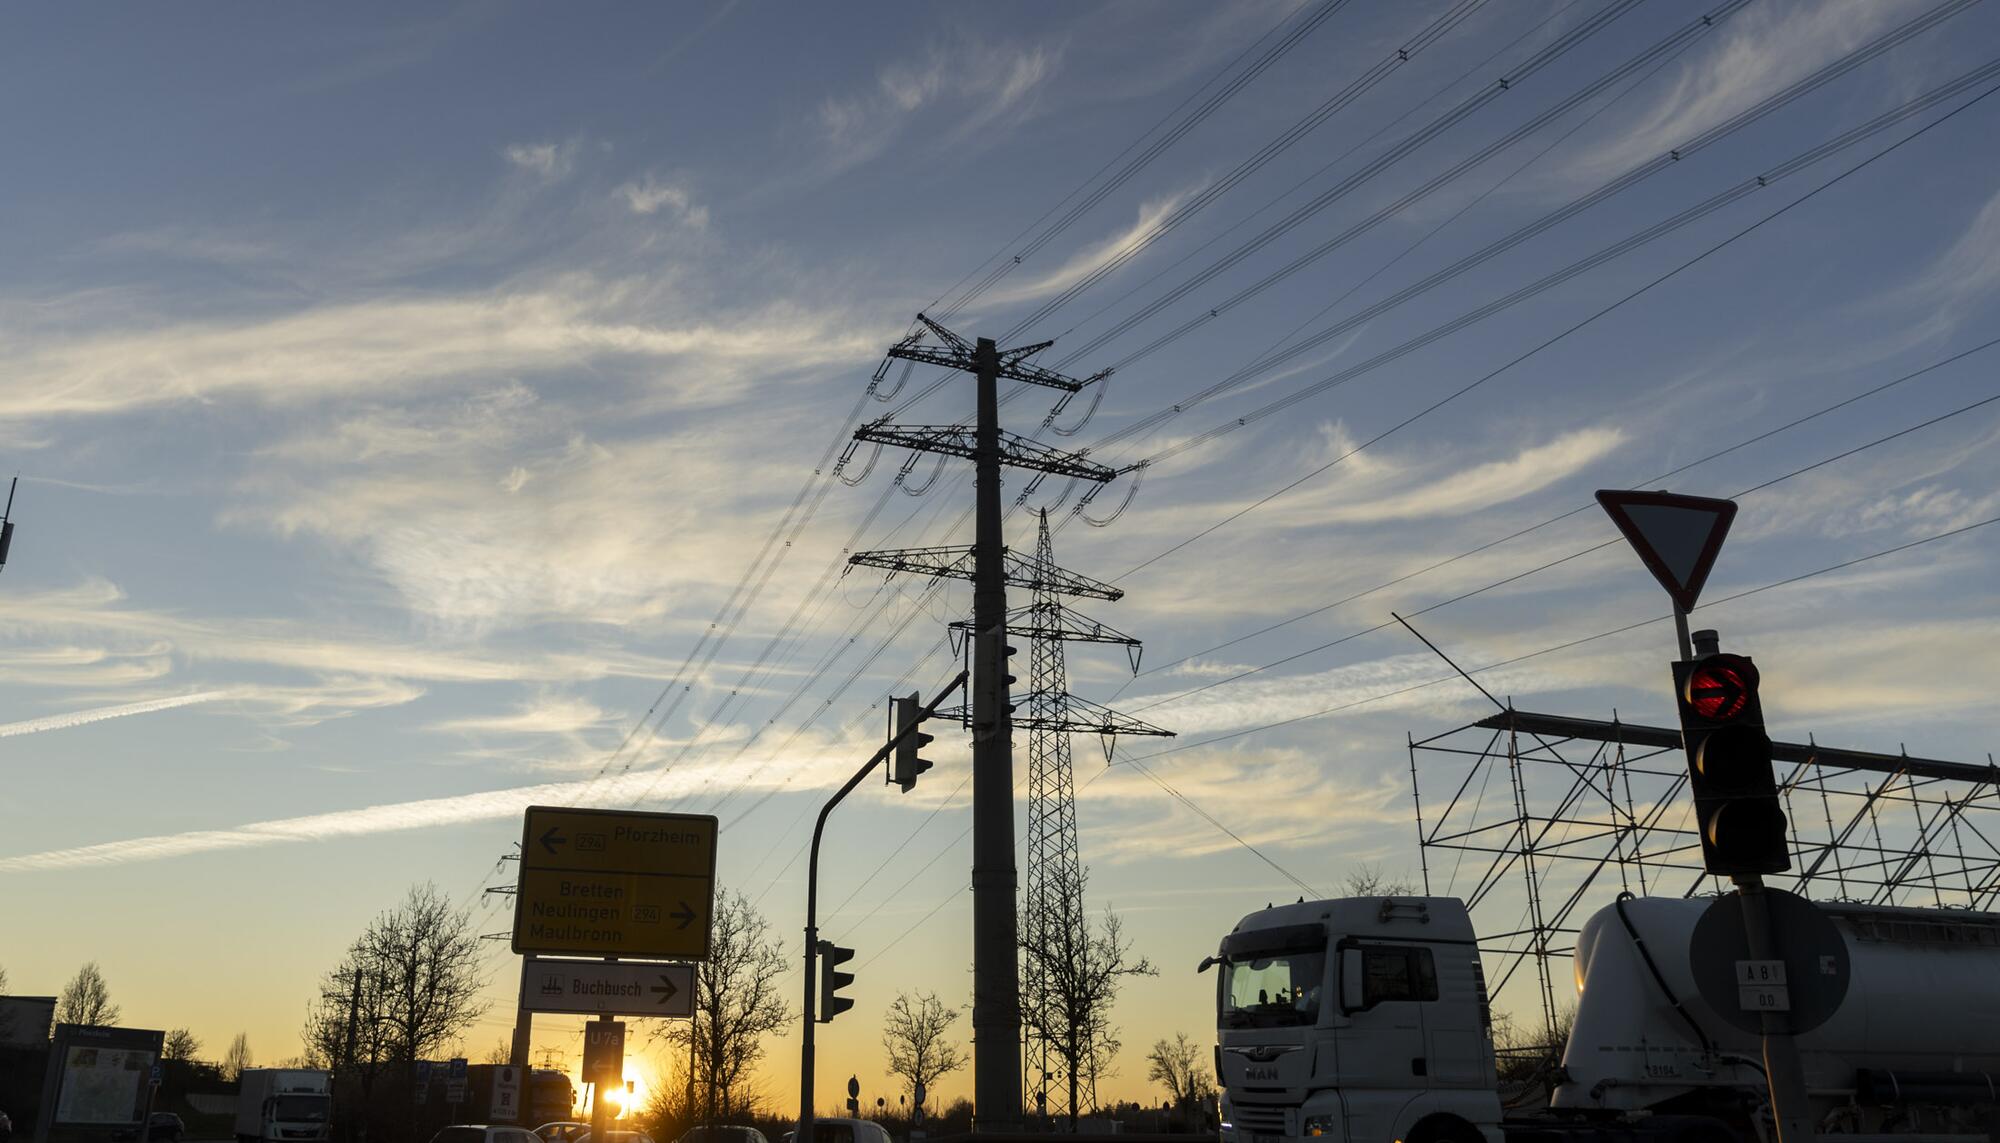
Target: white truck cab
(1361, 1019)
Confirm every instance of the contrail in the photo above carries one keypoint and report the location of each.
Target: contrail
(80, 717)
(457, 809)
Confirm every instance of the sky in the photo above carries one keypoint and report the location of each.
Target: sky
(425, 412)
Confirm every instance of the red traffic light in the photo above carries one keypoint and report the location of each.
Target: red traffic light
(1720, 687)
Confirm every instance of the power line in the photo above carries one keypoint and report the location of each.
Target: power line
(1568, 644)
(1587, 321)
(1752, 490)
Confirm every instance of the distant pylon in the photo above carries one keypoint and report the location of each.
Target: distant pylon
(1053, 920)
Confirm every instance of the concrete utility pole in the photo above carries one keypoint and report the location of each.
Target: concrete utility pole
(996, 973)
(996, 986)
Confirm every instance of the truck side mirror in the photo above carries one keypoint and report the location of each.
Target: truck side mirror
(1352, 990)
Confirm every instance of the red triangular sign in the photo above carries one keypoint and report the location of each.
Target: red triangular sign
(1677, 537)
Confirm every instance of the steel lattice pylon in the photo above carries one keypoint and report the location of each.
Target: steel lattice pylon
(1052, 916)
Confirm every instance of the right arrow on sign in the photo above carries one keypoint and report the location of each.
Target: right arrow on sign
(665, 988)
(1677, 537)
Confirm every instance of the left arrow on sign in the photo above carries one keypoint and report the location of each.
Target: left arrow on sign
(551, 839)
(666, 988)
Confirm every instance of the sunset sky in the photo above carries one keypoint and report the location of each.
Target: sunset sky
(407, 400)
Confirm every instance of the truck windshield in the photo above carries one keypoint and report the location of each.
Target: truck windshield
(299, 1109)
(1272, 991)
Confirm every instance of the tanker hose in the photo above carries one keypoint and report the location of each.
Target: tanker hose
(1639, 942)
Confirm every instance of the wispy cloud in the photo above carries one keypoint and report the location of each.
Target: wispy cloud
(548, 160)
(650, 195)
(392, 343)
(1093, 258)
(1760, 50)
(964, 87)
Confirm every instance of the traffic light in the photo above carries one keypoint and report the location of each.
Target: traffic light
(832, 980)
(1729, 766)
(906, 765)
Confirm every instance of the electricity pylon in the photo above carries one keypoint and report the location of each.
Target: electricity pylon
(1053, 920)
(996, 999)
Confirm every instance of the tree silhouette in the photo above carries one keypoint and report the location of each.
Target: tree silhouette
(180, 1045)
(86, 999)
(237, 1058)
(914, 1034)
(736, 1004)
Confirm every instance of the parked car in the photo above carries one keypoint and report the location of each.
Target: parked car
(165, 1125)
(6, 1127)
(724, 1133)
(618, 1137)
(828, 1129)
(484, 1133)
(562, 1131)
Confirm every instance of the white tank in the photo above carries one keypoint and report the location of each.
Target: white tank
(1923, 997)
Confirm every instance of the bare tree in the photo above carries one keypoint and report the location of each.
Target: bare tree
(914, 1034)
(345, 1028)
(422, 959)
(237, 1058)
(736, 1004)
(1366, 880)
(1078, 972)
(1181, 1067)
(180, 1044)
(86, 999)
(501, 1053)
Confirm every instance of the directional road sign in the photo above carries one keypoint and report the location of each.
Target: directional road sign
(609, 988)
(615, 883)
(604, 1051)
(1677, 537)
(454, 1080)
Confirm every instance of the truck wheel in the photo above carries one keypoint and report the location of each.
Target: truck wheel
(1445, 1129)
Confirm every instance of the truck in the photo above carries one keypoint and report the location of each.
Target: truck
(1368, 1020)
(284, 1105)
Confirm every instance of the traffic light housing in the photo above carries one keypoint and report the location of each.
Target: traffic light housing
(905, 764)
(1743, 827)
(832, 980)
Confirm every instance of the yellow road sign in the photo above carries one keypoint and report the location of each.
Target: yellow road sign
(610, 840)
(615, 883)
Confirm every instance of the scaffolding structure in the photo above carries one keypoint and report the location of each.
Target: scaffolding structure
(1536, 820)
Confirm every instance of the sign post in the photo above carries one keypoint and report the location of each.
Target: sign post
(603, 1067)
(1678, 538)
(454, 1084)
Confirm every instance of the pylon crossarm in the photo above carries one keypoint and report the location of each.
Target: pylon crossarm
(1057, 622)
(1010, 358)
(1081, 716)
(946, 336)
(1036, 375)
(955, 561)
(1016, 450)
(932, 355)
(1023, 571)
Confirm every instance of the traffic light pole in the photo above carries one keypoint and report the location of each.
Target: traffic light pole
(1782, 1066)
(806, 1060)
(1784, 1073)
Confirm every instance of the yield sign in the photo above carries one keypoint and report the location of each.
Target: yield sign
(1677, 537)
